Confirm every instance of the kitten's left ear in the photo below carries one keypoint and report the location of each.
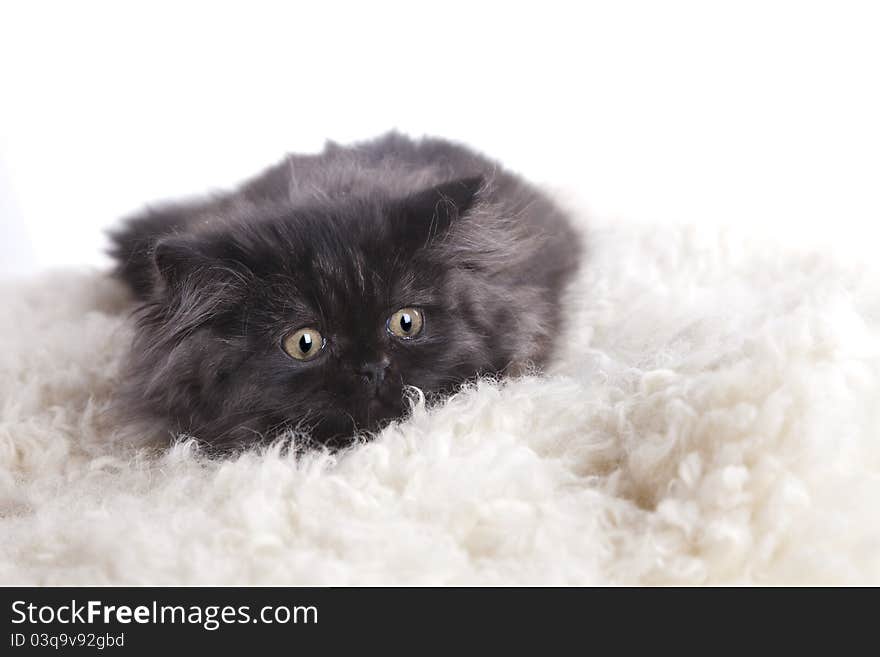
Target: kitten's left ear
(431, 212)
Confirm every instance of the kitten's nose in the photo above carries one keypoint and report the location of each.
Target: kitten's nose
(374, 373)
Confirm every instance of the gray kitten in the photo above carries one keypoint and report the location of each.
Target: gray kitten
(314, 294)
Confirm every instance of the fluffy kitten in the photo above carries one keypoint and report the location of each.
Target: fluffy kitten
(314, 294)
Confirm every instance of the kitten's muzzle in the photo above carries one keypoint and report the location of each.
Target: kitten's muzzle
(374, 374)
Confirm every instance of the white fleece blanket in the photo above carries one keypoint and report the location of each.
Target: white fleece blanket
(713, 417)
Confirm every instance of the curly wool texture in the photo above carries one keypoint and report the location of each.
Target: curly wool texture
(712, 417)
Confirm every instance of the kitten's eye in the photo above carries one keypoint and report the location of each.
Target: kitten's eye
(405, 323)
(304, 344)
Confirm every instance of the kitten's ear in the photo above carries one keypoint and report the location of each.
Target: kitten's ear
(177, 258)
(431, 212)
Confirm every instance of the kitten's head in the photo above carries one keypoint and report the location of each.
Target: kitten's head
(320, 317)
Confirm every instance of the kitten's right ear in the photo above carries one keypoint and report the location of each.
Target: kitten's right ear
(177, 258)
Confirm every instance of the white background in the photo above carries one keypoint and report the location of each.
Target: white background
(765, 113)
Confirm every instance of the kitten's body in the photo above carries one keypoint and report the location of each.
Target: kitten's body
(339, 240)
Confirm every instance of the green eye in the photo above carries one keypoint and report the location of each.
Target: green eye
(405, 323)
(304, 344)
